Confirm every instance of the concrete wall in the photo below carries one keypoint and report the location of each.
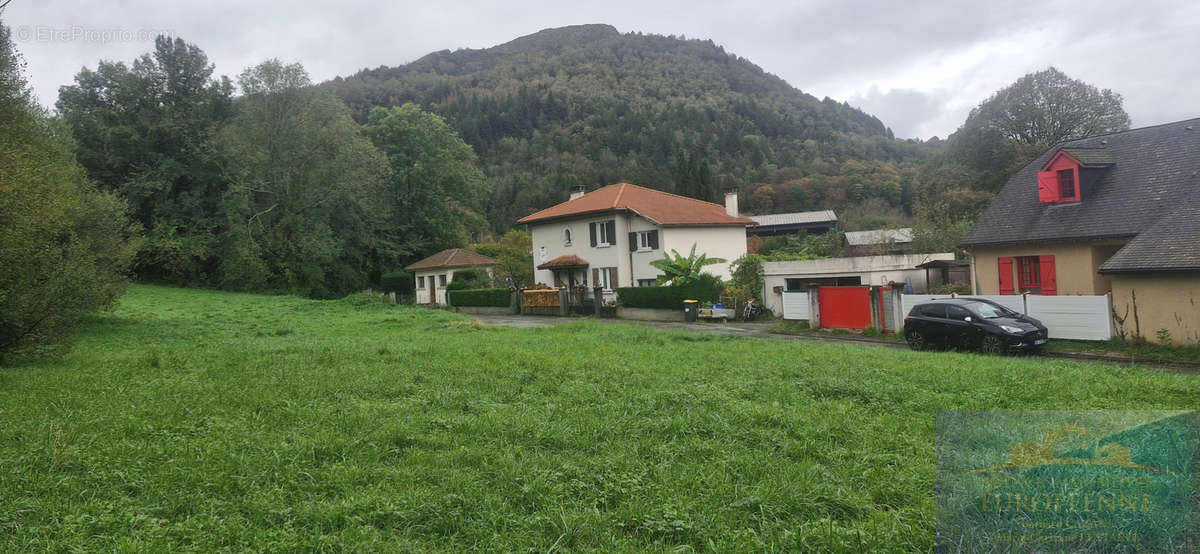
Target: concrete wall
(728, 242)
(871, 270)
(1075, 265)
(1144, 304)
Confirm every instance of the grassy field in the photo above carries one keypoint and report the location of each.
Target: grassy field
(198, 420)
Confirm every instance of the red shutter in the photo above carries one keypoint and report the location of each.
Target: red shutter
(1049, 286)
(1048, 186)
(1005, 267)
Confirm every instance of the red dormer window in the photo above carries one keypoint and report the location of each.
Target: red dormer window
(1058, 181)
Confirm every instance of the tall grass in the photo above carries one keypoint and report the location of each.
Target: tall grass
(199, 420)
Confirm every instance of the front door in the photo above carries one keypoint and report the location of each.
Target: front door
(432, 290)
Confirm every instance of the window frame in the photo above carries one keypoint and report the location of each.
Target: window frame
(420, 281)
(1029, 274)
(605, 275)
(643, 238)
(647, 282)
(441, 281)
(1067, 177)
(566, 236)
(602, 238)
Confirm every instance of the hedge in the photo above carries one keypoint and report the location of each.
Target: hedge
(669, 298)
(500, 298)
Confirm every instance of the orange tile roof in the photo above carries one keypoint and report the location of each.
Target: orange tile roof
(660, 207)
(454, 257)
(563, 262)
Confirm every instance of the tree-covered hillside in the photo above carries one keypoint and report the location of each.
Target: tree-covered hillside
(587, 105)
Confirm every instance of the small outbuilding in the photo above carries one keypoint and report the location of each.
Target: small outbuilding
(433, 273)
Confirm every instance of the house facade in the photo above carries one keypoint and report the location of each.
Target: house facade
(1115, 213)
(433, 273)
(609, 236)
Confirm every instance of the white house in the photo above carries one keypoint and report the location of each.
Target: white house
(433, 273)
(609, 236)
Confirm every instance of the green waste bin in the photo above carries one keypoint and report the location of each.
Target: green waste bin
(691, 310)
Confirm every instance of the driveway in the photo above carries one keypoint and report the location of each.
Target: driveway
(745, 329)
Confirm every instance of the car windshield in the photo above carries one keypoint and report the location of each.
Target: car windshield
(990, 311)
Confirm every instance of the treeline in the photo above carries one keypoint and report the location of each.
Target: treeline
(589, 106)
(275, 189)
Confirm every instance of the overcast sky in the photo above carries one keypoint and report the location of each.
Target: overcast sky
(918, 66)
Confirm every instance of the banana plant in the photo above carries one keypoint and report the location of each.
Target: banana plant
(680, 270)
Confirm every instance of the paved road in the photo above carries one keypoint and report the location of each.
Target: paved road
(745, 329)
(761, 330)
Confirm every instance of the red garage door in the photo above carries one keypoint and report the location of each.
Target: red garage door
(845, 307)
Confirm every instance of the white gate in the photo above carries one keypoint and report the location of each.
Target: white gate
(795, 305)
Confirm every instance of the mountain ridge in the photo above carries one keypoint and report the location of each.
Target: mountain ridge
(588, 105)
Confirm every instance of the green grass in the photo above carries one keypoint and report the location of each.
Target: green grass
(1138, 350)
(199, 420)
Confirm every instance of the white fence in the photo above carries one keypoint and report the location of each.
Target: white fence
(795, 305)
(1066, 317)
(1073, 317)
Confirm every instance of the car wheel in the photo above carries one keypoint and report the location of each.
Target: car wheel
(991, 344)
(916, 340)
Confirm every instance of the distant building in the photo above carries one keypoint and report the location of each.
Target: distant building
(812, 223)
(608, 237)
(879, 242)
(433, 273)
(1115, 213)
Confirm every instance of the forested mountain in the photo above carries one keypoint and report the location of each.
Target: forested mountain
(587, 105)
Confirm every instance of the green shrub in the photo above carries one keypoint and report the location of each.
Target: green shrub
(474, 278)
(458, 285)
(499, 298)
(706, 289)
(400, 282)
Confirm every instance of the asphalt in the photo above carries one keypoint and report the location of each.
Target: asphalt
(763, 330)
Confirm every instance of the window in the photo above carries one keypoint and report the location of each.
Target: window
(955, 312)
(931, 310)
(1029, 276)
(1066, 184)
(567, 236)
(647, 240)
(603, 233)
(605, 277)
(647, 282)
(421, 282)
(442, 280)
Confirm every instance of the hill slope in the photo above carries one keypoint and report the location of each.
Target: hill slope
(587, 105)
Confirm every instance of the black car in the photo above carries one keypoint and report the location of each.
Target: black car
(972, 323)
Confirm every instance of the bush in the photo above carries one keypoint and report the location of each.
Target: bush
(400, 282)
(706, 289)
(474, 278)
(65, 248)
(499, 298)
(458, 285)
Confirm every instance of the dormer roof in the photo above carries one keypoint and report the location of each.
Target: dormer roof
(1132, 180)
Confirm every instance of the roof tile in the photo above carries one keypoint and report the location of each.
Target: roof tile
(660, 207)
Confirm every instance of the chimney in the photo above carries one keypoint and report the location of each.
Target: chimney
(731, 206)
(576, 192)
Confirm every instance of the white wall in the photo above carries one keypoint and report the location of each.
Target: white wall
(548, 244)
(871, 270)
(728, 242)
